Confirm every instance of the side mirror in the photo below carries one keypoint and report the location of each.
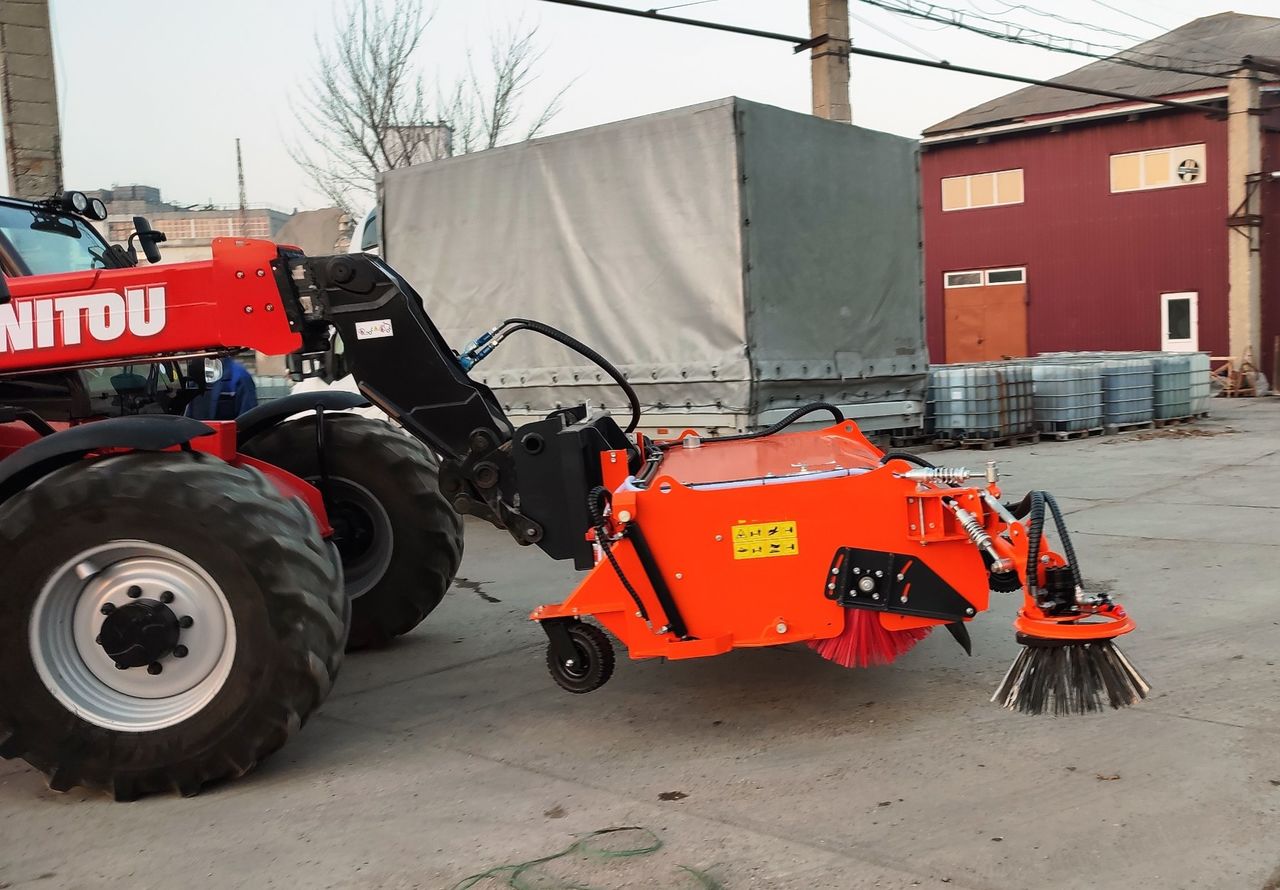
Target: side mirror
(148, 238)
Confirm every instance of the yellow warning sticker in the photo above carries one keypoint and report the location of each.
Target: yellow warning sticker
(765, 539)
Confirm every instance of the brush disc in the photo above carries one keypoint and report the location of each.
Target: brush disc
(1061, 678)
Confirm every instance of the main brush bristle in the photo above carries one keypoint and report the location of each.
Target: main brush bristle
(865, 642)
(1070, 678)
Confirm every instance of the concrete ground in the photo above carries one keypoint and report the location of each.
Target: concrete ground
(454, 752)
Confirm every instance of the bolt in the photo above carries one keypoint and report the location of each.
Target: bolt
(857, 570)
(875, 596)
(913, 528)
(679, 576)
(134, 592)
(180, 651)
(154, 668)
(969, 611)
(120, 666)
(902, 599)
(638, 615)
(107, 608)
(624, 515)
(866, 585)
(899, 576)
(721, 538)
(239, 275)
(261, 274)
(569, 662)
(664, 629)
(166, 597)
(831, 586)
(911, 500)
(270, 307)
(781, 628)
(835, 571)
(879, 574)
(186, 621)
(1045, 560)
(248, 310)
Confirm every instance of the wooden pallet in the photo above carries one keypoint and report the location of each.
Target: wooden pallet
(921, 438)
(990, 444)
(1162, 422)
(1068, 435)
(1112, 429)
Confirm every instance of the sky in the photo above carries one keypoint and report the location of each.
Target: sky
(157, 93)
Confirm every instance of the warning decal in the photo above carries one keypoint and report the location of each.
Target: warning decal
(765, 539)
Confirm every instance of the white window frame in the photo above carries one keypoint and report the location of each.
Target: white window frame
(946, 279)
(986, 276)
(968, 189)
(1191, 344)
(1174, 181)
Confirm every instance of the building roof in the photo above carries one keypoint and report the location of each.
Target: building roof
(1214, 43)
(318, 232)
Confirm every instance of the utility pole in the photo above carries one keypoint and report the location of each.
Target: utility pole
(32, 138)
(830, 59)
(244, 205)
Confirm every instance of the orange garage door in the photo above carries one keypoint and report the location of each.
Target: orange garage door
(985, 314)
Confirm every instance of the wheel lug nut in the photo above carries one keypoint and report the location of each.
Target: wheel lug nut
(134, 592)
(107, 608)
(166, 597)
(185, 621)
(179, 651)
(121, 666)
(154, 668)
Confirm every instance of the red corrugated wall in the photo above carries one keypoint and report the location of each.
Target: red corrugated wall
(1096, 262)
(1271, 252)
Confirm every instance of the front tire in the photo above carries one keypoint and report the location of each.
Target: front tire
(400, 540)
(166, 621)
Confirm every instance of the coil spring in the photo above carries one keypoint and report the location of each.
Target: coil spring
(940, 475)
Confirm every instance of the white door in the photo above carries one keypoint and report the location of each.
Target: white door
(1179, 322)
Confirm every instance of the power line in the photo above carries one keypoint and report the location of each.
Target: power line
(1136, 18)
(1031, 37)
(894, 37)
(1010, 7)
(802, 43)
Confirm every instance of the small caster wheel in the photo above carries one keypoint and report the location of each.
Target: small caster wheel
(593, 666)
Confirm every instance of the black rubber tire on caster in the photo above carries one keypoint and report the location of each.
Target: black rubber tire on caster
(594, 665)
(256, 555)
(400, 540)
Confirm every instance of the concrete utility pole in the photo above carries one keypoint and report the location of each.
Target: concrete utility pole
(830, 60)
(32, 138)
(1244, 259)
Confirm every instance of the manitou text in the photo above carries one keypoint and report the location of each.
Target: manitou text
(101, 316)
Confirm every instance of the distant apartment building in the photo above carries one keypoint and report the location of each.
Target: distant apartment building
(189, 230)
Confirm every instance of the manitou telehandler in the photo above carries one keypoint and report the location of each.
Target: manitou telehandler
(171, 604)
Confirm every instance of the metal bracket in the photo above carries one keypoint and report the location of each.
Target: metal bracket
(892, 582)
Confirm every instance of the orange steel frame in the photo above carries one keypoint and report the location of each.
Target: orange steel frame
(689, 515)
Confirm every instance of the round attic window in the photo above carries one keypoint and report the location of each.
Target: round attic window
(1189, 170)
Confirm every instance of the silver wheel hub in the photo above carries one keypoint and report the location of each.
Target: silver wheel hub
(132, 635)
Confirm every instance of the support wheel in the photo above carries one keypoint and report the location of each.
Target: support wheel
(593, 666)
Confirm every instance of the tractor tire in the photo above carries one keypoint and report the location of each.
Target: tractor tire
(166, 621)
(400, 540)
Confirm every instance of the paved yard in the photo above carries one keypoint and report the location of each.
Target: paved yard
(454, 752)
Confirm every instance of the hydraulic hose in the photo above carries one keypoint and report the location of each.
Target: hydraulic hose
(596, 501)
(546, 330)
(1033, 505)
(908, 457)
(778, 427)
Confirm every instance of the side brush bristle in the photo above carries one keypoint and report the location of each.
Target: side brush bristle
(1070, 678)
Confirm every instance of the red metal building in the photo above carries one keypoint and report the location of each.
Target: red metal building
(1061, 221)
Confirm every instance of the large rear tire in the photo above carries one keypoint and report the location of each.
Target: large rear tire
(166, 621)
(400, 540)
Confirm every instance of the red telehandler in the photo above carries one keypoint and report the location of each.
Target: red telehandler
(171, 607)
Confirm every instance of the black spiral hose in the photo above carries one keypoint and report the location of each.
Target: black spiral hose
(908, 457)
(596, 500)
(1033, 506)
(546, 330)
(802, 411)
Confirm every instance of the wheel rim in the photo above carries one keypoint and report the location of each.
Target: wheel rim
(362, 533)
(581, 667)
(158, 612)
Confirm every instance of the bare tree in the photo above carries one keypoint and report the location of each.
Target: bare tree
(364, 108)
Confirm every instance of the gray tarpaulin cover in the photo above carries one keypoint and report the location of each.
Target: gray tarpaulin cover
(731, 258)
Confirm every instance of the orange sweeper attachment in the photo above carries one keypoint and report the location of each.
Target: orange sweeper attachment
(818, 537)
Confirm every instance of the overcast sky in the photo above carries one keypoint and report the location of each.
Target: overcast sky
(157, 93)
